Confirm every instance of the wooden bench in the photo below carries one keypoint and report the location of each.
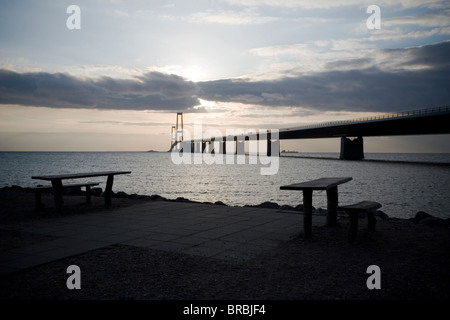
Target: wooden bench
(38, 191)
(354, 210)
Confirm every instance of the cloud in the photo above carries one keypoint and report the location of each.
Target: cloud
(439, 18)
(314, 56)
(397, 34)
(121, 14)
(150, 91)
(431, 56)
(244, 17)
(432, 23)
(383, 81)
(421, 78)
(395, 60)
(327, 4)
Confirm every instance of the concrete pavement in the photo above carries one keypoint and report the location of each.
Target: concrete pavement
(207, 230)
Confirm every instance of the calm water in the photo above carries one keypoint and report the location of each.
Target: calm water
(403, 189)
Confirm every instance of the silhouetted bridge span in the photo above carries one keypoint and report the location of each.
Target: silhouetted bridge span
(417, 122)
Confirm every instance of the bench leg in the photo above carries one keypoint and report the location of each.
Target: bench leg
(108, 190)
(332, 203)
(88, 194)
(371, 221)
(353, 227)
(38, 201)
(307, 213)
(58, 190)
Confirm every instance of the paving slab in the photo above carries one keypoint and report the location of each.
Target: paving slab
(206, 230)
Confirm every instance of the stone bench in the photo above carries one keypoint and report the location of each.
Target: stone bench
(354, 210)
(38, 191)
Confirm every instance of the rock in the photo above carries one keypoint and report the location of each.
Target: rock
(287, 207)
(269, 205)
(432, 221)
(96, 191)
(139, 197)
(420, 216)
(113, 194)
(156, 197)
(220, 203)
(121, 194)
(429, 220)
(300, 208)
(380, 214)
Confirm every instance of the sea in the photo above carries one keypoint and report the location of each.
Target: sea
(403, 183)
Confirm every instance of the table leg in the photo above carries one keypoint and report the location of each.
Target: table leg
(58, 190)
(332, 204)
(371, 220)
(38, 200)
(108, 190)
(353, 226)
(307, 213)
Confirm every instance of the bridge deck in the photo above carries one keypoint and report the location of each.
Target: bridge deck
(417, 122)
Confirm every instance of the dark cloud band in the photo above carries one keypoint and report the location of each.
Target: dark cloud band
(421, 79)
(151, 91)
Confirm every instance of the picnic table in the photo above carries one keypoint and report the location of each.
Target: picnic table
(57, 185)
(328, 184)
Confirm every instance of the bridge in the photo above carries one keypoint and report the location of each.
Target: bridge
(416, 122)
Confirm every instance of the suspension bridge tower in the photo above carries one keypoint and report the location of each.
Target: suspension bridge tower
(176, 134)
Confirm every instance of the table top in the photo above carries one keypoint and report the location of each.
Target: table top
(318, 184)
(79, 175)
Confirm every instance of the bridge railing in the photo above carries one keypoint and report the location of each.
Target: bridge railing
(378, 117)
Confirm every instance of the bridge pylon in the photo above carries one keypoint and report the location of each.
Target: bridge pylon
(176, 134)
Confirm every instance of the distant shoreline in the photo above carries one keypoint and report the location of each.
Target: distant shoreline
(445, 164)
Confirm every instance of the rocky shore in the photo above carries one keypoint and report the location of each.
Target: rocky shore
(420, 217)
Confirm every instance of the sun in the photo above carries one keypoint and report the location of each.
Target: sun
(192, 73)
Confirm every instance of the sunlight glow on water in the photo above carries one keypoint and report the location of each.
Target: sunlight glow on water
(402, 189)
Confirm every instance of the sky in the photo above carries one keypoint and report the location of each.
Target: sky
(113, 75)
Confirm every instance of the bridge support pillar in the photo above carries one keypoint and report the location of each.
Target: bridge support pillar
(212, 146)
(352, 149)
(223, 146)
(240, 146)
(273, 145)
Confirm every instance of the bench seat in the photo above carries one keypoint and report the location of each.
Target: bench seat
(39, 189)
(353, 210)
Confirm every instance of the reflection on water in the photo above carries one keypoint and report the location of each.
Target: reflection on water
(403, 189)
